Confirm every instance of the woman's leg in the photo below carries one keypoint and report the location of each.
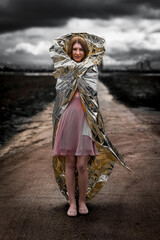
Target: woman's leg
(82, 162)
(70, 180)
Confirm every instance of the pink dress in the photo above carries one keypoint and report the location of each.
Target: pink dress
(70, 138)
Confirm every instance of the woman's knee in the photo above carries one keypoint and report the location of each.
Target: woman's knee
(70, 162)
(82, 165)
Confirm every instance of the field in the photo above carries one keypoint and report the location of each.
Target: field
(134, 89)
(22, 96)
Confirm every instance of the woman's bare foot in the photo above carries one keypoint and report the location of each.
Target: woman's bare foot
(73, 206)
(72, 211)
(83, 208)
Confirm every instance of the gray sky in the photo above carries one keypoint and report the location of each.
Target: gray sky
(131, 29)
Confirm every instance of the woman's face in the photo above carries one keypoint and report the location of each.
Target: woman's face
(77, 52)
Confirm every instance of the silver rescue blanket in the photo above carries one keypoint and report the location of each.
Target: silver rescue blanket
(71, 75)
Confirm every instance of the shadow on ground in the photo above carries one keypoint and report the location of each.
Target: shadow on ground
(104, 221)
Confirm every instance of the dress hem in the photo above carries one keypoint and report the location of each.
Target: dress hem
(73, 153)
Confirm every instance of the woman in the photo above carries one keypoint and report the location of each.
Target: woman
(83, 156)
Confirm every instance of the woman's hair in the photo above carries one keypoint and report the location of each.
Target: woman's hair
(81, 41)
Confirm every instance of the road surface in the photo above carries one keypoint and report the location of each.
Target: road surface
(127, 208)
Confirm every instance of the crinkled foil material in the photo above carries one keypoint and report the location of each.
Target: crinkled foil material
(84, 76)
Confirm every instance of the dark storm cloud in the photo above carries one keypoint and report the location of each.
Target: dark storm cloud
(20, 14)
(152, 3)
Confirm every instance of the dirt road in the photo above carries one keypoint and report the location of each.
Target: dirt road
(127, 208)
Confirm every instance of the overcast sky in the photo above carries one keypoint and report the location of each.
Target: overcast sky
(131, 29)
